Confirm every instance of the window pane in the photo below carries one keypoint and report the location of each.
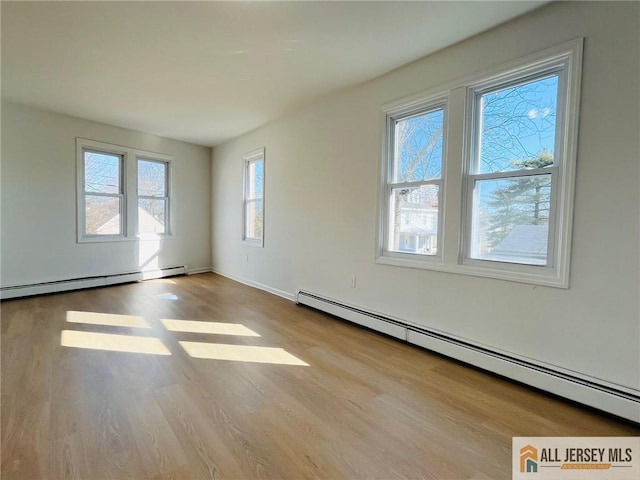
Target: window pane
(101, 172)
(152, 215)
(511, 219)
(152, 177)
(256, 179)
(414, 220)
(518, 126)
(254, 219)
(102, 215)
(418, 147)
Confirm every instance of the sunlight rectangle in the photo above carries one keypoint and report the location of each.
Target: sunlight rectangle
(167, 296)
(110, 319)
(113, 343)
(241, 353)
(159, 280)
(217, 328)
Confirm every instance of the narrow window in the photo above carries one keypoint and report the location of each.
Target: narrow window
(153, 196)
(103, 194)
(253, 225)
(413, 184)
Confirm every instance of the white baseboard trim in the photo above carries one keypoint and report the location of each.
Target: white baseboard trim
(260, 286)
(615, 399)
(195, 271)
(26, 290)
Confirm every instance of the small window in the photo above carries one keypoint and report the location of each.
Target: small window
(103, 194)
(153, 196)
(253, 225)
(413, 184)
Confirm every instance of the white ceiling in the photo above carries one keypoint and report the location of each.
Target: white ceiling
(205, 72)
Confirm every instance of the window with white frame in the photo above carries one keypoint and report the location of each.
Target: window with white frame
(513, 168)
(122, 192)
(508, 205)
(413, 179)
(253, 224)
(102, 194)
(153, 196)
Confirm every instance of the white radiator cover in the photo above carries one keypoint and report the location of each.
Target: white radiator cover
(16, 291)
(610, 398)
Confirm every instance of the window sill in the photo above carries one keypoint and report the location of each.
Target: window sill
(117, 238)
(104, 239)
(543, 276)
(253, 243)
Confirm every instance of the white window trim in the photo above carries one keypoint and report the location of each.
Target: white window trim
(129, 203)
(392, 113)
(248, 159)
(454, 235)
(167, 161)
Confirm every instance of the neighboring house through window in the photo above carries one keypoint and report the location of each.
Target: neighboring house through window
(413, 170)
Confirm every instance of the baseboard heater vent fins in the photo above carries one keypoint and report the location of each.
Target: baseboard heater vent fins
(15, 291)
(620, 401)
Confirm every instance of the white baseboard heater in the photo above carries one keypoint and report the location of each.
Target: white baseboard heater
(613, 399)
(25, 290)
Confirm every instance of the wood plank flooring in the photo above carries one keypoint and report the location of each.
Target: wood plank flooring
(315, 397)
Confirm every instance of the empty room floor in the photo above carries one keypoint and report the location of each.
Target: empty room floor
(202, 377)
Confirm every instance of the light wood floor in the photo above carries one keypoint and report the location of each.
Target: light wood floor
(336, 401)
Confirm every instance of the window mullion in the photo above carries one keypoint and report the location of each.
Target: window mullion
(515, 173)
(415, 184)
(99, 194)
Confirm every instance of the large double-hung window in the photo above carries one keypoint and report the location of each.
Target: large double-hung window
(513, 170)
(123, 193)
(507, 140)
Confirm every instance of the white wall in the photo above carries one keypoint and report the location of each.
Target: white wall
(322, 167)
(39, 201)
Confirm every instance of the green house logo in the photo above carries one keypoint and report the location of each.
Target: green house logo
(528, 459)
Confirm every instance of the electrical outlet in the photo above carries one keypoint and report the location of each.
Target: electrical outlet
(246, 257)
(354, 280)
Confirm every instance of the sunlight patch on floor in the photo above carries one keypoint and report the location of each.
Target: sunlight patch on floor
(218, 328)
(113, 343)
(160, 280)
(110, 319)
(241, 353)
(167, 296)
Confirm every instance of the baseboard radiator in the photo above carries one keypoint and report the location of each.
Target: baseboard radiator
(616, 400)
(25, 290)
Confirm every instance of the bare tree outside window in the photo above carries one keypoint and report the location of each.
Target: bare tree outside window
(102, 193)
(515, 157)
